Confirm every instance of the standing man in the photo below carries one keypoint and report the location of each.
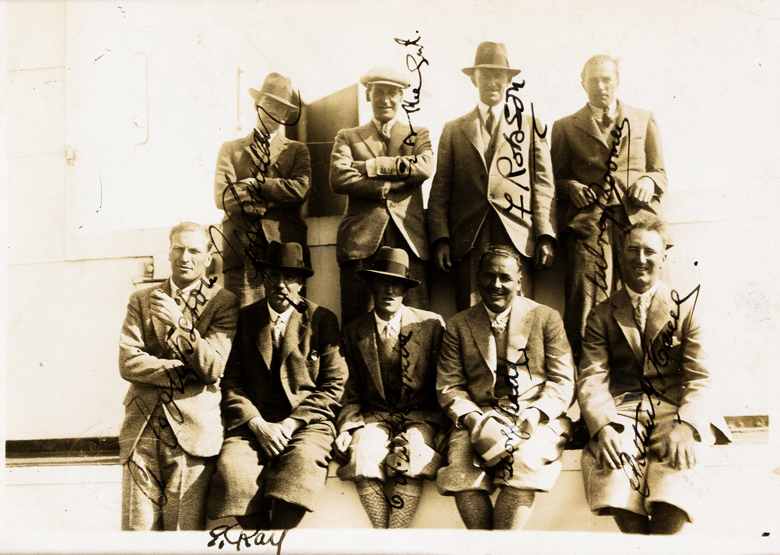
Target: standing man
(609, 173)
(505, 378)
(261, 182)
(645, 394)
(381, 166)
(282, 388)
(474, 200)
(391, 426)
(173, 347)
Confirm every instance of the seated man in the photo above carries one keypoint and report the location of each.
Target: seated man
(173, 347)
(505, 377)
(282, 387)
(391, 426)
(644, 393)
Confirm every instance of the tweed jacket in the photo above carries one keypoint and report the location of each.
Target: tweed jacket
(465, 189)
(365, 392)
(536, 346)
(312, 370)
(284, 190)
(370, 204)
(669, 360)
(177, 367)
(580, 155)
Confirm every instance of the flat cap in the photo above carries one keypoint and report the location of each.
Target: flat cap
(385, 76)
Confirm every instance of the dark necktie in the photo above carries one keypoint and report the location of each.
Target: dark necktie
(606, 119)
(491, 122)
(384, 133)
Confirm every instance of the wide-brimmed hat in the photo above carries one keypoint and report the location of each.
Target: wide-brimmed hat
(277, 87)
(390, 262)
(491, 55)
(385, 76)
(493, 439)
(285, 256)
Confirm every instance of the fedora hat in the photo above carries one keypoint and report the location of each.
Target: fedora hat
(491, 55)
(390, 262)
(493, 439)
(385, 76)
(277, 87)
(285, 256)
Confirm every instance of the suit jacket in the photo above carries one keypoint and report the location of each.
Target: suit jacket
(465, 189)
(181, 371)
(580, 155)
(312, 369)
(465, 380)
(284, 190)
(670, 358)
(365, 390)
(370, 204)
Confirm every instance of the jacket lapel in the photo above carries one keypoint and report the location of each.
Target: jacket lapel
(658, 313)
(410, 329)
(479, 325)
(469, 125)
(369, 350)
(624, 316)
(584, 121)
(520, 320)
(397, 136)
(278, 144)
(263, 337)
(160, 329)
(370, 137)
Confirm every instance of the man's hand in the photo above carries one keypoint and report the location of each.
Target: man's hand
(238, 200)
(642, 191)
(441, 255)
(360, 166)
(164, 309)
(341, 447)
(578, 194)
(529, 420)
(675, 442)
(545, 252)
(607, 447)
(470, 420)
(272, 437)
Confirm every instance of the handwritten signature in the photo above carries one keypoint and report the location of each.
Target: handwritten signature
(414, 63)
(222, 535)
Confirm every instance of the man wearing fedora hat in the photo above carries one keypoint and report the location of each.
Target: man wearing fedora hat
(381, 166)
(474, 201)
(609, 171)
(505, 378)
(260, 182)
(281, 391)
(391, 426)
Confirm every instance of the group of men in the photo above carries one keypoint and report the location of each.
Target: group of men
(240, 397)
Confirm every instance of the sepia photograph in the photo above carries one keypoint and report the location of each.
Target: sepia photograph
(436, 277)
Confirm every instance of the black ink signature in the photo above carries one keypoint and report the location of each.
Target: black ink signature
(222, 535)
(414, 63)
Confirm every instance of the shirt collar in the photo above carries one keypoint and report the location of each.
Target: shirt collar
(379, 124)
(496, 316)
(270, 137)
(285, 316)
(175, 291)
(598, 112)
(483, 110)
(647, 295)
(394, 322)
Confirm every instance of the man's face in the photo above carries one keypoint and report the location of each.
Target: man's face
(189, 256)
(282, 288)
(601, 83)
(491, 83)
(270, 114)
(384, 100)
(388, 295)
(642, 258)
(498, 281)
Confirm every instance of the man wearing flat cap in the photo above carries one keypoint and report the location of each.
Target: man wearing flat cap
(474, 201)
(381, 166)
(505, 378)
(260, 182)
(391, 426)
(602, 192)
(280, 394)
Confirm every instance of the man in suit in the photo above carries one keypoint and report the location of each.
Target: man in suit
(609, 173)
(390, 425)
(493, 182)
(173, 347)
(260, 182)
(381, 166)
(283, 384)
(645, 394)
(505, 378)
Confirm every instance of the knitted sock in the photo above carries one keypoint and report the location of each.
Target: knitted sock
(372, 496)
(410, 494)
(513, 508)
